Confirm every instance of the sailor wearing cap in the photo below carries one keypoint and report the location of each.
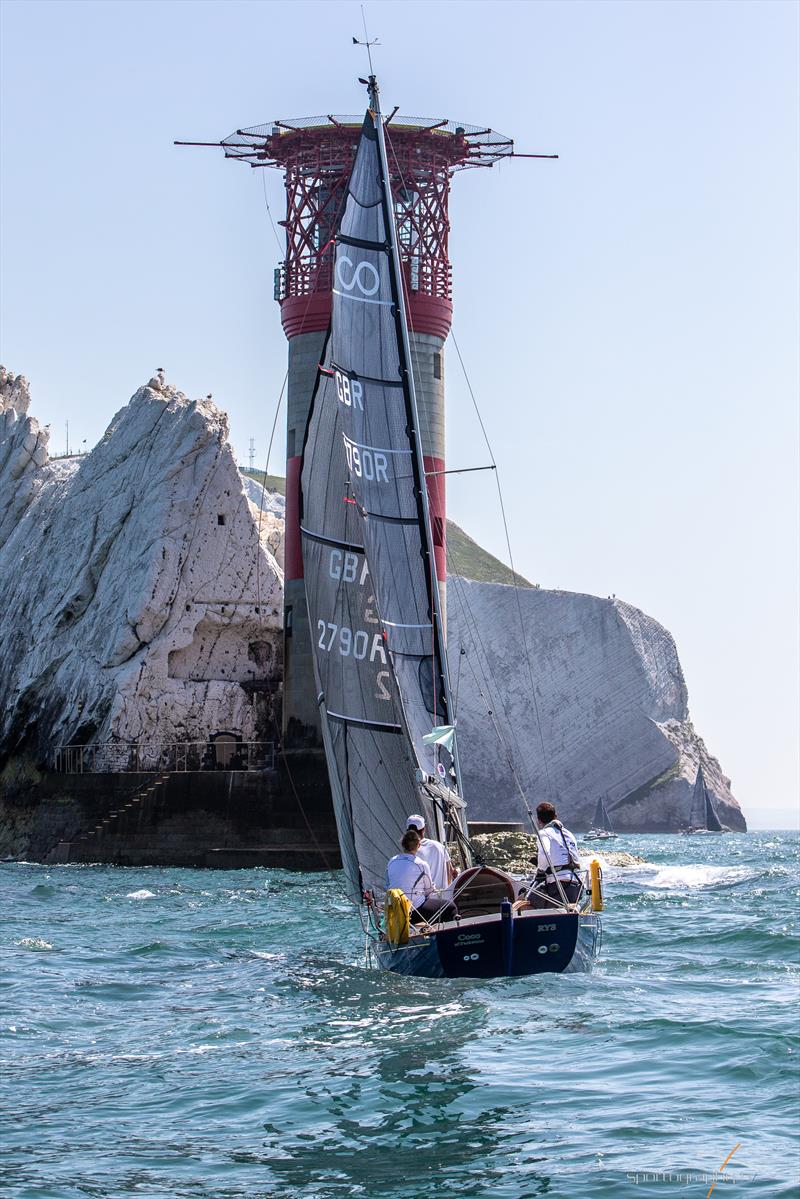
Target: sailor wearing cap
(434, 853)
(408, 873)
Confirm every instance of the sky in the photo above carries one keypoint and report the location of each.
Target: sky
(628, 315)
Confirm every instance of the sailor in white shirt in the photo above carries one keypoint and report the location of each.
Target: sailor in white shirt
(562, 850)
(409, 872)
(434, 853)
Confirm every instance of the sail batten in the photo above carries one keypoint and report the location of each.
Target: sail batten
(363, 723)
(360, 243)
(391, 520)
(352, 546)
(370, 379)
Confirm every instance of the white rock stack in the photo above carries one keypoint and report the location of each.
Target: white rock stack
(137, 599)
(610, 716)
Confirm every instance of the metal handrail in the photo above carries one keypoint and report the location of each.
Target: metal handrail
(165, 757)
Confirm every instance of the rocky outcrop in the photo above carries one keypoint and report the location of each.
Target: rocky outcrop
(603, 710)
(138, 601)
(517, 851)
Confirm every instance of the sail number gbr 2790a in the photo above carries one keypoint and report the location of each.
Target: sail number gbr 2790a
(359, 645)
(333, 637)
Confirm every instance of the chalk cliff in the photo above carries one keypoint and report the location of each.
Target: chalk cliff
(611, 698)
(610, 715)
(138, 602)
(140, 592)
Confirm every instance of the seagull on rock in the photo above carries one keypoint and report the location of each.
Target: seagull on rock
(158, 379)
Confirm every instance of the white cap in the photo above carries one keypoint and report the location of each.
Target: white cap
(417, 822)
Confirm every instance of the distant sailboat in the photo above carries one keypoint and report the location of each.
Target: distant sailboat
(602, 829)
(702, 817)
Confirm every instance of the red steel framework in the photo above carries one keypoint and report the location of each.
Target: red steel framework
(316, 155)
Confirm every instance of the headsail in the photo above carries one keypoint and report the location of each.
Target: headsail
(712, 820)
(367, 547)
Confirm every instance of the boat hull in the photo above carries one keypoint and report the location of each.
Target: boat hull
(532, 942)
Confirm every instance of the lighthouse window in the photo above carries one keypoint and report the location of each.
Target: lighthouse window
(220, 518)
(437, 366)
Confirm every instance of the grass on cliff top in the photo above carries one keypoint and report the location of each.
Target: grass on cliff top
(269, 482)
(464, 556)
(471, 561)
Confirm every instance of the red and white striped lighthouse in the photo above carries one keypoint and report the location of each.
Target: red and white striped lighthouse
(316, 156)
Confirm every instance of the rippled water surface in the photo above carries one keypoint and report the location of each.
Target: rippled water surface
(214, 1035)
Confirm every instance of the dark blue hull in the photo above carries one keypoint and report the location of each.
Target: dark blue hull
(532, 942)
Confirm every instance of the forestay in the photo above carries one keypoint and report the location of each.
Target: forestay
(366, 547)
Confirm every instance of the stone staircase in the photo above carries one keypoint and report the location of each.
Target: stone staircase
(88, 845)
(223, 819)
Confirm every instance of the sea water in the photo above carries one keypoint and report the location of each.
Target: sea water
(190, 1034)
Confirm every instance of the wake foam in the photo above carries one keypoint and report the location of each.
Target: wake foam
(682, 878)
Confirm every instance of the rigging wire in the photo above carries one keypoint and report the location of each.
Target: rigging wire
(533, 821)
(366, 39)
(545, 760)
(312, 833)
(462, 654)
(463, 603)
(425, 416)
(278, 732)
(264, 492)
(269, 212)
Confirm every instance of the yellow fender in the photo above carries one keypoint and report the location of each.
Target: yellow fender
(596, 875)
(396, 916)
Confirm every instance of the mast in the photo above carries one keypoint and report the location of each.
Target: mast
(413, 411)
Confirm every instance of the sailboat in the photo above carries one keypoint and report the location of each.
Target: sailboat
(702, 816)
(380, 658)
(601, 829)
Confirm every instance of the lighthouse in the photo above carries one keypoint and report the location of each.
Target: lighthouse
(315, 155)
